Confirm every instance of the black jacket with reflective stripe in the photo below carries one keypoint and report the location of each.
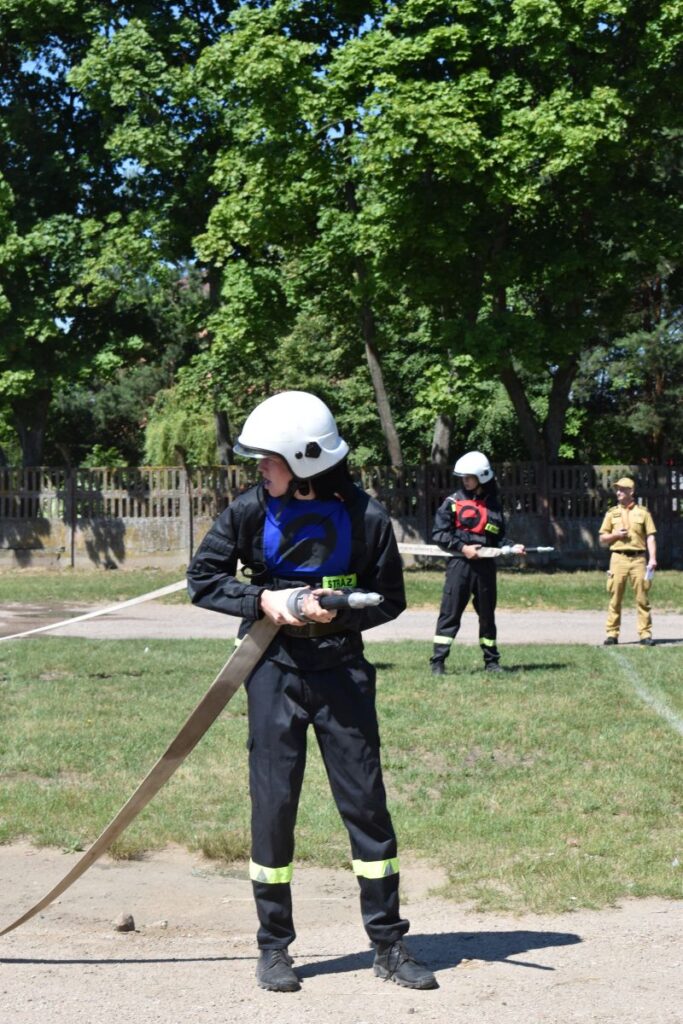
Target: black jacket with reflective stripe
(237, 535)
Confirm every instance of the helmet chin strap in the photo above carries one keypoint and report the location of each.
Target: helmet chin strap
(294, 485)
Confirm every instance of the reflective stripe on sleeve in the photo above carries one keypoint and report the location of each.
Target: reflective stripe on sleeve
(271, 876)
(375, 868)
(443, 640)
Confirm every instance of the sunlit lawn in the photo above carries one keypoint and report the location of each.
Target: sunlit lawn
(554, 785)
(517, 588)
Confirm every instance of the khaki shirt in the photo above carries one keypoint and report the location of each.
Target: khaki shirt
(636, 519)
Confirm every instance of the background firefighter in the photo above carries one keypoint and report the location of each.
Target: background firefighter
(306, 524)
(465, 522)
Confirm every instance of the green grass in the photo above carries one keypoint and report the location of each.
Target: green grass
(552, 786)
(517, 588)
(525, 588)
(74, 586)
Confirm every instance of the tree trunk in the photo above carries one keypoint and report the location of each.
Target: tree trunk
(542, 440)
(528, 425)
(213, 277)
(441, 440)
(29, 419)
(223, 438)
(381, 397)
(368, 329)
(558, 403)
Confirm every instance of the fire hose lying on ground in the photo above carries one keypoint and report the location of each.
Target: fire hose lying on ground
(236, 670)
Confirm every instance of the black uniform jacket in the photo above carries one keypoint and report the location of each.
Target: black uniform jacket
(237, 534)
(468, 518)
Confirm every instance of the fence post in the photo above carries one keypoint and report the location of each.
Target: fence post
(426, 502)
(71, 513)
(187, 511)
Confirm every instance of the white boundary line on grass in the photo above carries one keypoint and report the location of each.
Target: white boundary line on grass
(661, 708)
(172, 588)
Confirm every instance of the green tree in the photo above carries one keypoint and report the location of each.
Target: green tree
(92, 191)
(61, 185)
(165, 128)
(627, 396)
(399, 185)
(108, 406)
(512, 168)
(521, 169)
(178, 434)
(286, 224)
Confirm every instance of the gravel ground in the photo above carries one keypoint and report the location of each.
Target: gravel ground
(192, 956)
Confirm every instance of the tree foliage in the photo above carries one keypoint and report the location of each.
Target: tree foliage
(509, 171)
(425, 211)
(89, 188)
(628, 397)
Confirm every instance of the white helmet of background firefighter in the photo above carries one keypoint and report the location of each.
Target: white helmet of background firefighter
(474, 464)
(299, 428)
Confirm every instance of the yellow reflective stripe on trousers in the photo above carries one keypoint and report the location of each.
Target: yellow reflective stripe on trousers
(443, 640)
(485, 642)
(375, 868)
(271, 876)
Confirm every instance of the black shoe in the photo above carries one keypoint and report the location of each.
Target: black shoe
(394, 962)
(611, 641)
(438, 668)
(493, 666)
(274, 971)
(647, 641)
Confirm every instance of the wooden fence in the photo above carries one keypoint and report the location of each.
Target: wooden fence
(552, 501)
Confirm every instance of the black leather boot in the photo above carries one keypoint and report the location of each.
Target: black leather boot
(274, 971)
(393, 962)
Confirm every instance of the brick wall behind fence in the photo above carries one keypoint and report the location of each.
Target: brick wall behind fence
(148, 516)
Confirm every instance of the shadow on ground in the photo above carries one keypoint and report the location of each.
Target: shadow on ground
(441, 951)
(446, 950)
(539, 666)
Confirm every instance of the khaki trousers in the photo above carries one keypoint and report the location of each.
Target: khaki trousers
(624, 568)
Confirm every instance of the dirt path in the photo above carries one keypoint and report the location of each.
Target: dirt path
(176, 621)
(192, 958)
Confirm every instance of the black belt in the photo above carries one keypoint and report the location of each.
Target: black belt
(311, 629)
(631, 554)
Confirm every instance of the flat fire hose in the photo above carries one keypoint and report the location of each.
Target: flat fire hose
(228, 681)
(172, 588)
(236, 669)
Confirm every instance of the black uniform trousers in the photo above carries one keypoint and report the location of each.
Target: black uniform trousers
(467, 578)
(339, 702)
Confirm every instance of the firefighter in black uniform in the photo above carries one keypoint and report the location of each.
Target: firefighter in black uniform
(466, 522)
(306, 524)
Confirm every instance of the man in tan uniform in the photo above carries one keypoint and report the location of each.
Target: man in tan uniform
(629, 531)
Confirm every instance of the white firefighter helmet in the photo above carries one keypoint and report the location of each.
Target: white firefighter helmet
(299, 428)
(474, 464)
